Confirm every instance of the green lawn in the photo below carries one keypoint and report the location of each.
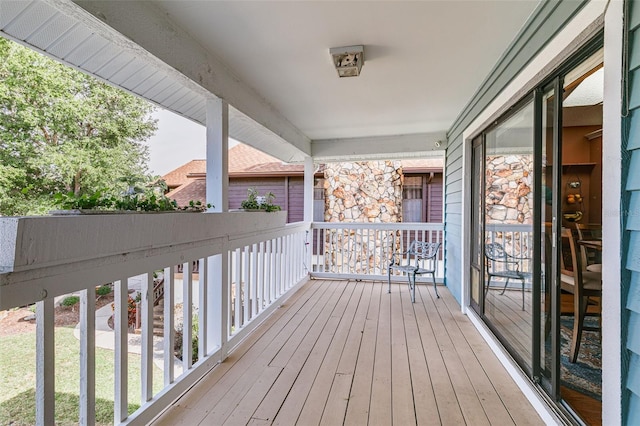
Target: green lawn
(17, 380)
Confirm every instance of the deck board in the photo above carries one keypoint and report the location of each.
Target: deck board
(346, 352)
(360, 396)
(488, 400)
(304, 363)
(425, 403)
(380, 403)
(337, 402)
(238, 384)
(299, 380)
(319, 395)
(468, 401)
(492, 367)
(401, 394)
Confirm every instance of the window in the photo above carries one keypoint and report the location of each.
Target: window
(412, 199)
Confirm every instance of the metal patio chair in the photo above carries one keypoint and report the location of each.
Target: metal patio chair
(420, 260)
(500, 264)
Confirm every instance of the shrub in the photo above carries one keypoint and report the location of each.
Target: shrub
(70, 301)
(194, 340)
(103, 290)
(131, 309)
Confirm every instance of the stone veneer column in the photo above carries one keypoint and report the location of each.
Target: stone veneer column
(509, 199)
(508, 189)
(369, 192)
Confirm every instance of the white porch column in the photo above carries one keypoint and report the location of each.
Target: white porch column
(308, 189)
(309, 168)
(218, 154)
(217, 195)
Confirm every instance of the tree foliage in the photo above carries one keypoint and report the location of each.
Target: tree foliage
(64, 131)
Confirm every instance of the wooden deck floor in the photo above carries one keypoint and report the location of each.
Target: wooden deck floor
(346, 352)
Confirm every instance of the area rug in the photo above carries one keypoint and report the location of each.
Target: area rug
(585, 375)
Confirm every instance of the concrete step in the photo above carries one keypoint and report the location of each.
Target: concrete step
(158, 318)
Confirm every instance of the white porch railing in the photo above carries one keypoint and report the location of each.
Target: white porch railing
(247, 263)
(516, 239)
(363, 250)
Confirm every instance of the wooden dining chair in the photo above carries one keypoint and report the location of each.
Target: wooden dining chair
(591, 260)
(582, 284)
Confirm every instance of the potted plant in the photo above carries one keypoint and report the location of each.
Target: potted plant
(255, 202)
(149, 198)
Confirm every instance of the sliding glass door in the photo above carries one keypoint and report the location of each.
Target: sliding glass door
(508, 226)
(536, 176)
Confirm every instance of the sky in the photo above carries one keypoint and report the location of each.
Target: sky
(176, 142)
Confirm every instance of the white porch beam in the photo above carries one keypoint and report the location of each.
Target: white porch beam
(379, 147)
(144, 24)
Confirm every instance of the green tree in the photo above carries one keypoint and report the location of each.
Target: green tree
(62, 131)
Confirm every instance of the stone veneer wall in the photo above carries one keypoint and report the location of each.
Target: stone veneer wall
(509, 200)
(508, 195)
(369, 192)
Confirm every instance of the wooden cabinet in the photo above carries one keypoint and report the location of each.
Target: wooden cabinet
(582, 173)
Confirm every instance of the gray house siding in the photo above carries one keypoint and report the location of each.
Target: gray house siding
(238, 190)
(630, 285)
(434, 198)
(548, 18)
(295, 199)
(289, 192)
(453, 217)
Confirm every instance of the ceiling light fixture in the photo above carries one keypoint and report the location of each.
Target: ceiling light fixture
(348, 60)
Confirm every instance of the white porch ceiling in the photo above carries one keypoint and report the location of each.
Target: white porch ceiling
(270, 60)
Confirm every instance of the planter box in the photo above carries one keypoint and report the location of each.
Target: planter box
(46, 241)
(78, 212)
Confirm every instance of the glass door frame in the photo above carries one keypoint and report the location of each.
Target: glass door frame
(478, 306)
(551, 385)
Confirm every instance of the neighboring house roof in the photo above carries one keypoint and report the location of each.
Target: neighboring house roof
(187, 182)
(245, 160)
(194, 190)
(180, 176)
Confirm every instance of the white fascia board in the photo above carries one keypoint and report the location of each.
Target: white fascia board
(416, 145)
(140, 25)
